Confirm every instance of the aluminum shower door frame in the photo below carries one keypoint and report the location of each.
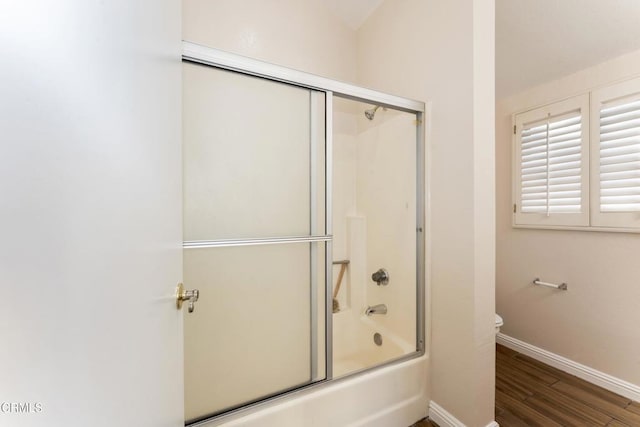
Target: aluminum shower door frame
(228, 61)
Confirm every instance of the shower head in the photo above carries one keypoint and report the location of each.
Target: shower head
(370, 114)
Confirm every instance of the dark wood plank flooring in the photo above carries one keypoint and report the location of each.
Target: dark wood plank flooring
(425, 423)
(530, 393)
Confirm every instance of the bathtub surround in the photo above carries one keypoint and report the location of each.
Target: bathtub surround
(594, 323)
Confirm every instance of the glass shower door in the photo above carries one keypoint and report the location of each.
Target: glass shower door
(254, 227)
(377, 233)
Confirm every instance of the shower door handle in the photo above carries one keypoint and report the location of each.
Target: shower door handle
(190, 295)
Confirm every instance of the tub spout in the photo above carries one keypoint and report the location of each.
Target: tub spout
(376, 309)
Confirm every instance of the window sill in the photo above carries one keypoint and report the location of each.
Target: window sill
(578, 228)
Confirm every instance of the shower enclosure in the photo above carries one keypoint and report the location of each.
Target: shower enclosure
(303, 229)
(374, 229)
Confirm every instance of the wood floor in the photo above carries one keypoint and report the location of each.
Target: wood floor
(530, 393)
(425, 423)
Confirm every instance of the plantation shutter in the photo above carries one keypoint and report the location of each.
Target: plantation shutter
(551, 165)
(615, 134)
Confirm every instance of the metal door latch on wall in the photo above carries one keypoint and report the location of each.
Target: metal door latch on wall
(190, 295)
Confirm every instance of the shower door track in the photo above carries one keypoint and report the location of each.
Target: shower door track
(228, 61)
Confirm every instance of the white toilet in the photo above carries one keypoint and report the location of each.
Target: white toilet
(499, 323)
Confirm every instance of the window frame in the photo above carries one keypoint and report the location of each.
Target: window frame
(551, 220)
(615, 221)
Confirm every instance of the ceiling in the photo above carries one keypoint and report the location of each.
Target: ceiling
(353, 12)
(542, 40)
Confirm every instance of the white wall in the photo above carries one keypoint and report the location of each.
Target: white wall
(299, 34)
(443, 52)
(595, 322)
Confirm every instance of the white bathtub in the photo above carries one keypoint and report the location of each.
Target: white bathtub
(358, 351)
(391, 396)
(394, 395)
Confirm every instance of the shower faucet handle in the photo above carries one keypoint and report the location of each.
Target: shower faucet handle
(189, 295)
(381, 277)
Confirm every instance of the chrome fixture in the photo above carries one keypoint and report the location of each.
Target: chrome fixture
(381, 277)
(376, 309)
(223, 243)
(370, 114)
(190, 295)
(562, 286)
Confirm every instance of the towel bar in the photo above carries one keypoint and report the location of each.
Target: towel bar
(562, 286)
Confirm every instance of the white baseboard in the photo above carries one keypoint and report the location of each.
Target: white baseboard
(594, 376)
(443, 418)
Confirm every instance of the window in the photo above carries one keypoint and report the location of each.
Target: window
(577, 162)
(615, 148)
(551, 165)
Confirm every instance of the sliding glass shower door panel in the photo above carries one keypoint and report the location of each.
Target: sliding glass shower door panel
(251, 153)
(255, 233)
(376, 235)
(251, 335)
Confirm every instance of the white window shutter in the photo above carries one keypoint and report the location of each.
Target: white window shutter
(615, 155)
(551, 165)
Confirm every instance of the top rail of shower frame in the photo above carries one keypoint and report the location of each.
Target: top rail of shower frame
(209, 56)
